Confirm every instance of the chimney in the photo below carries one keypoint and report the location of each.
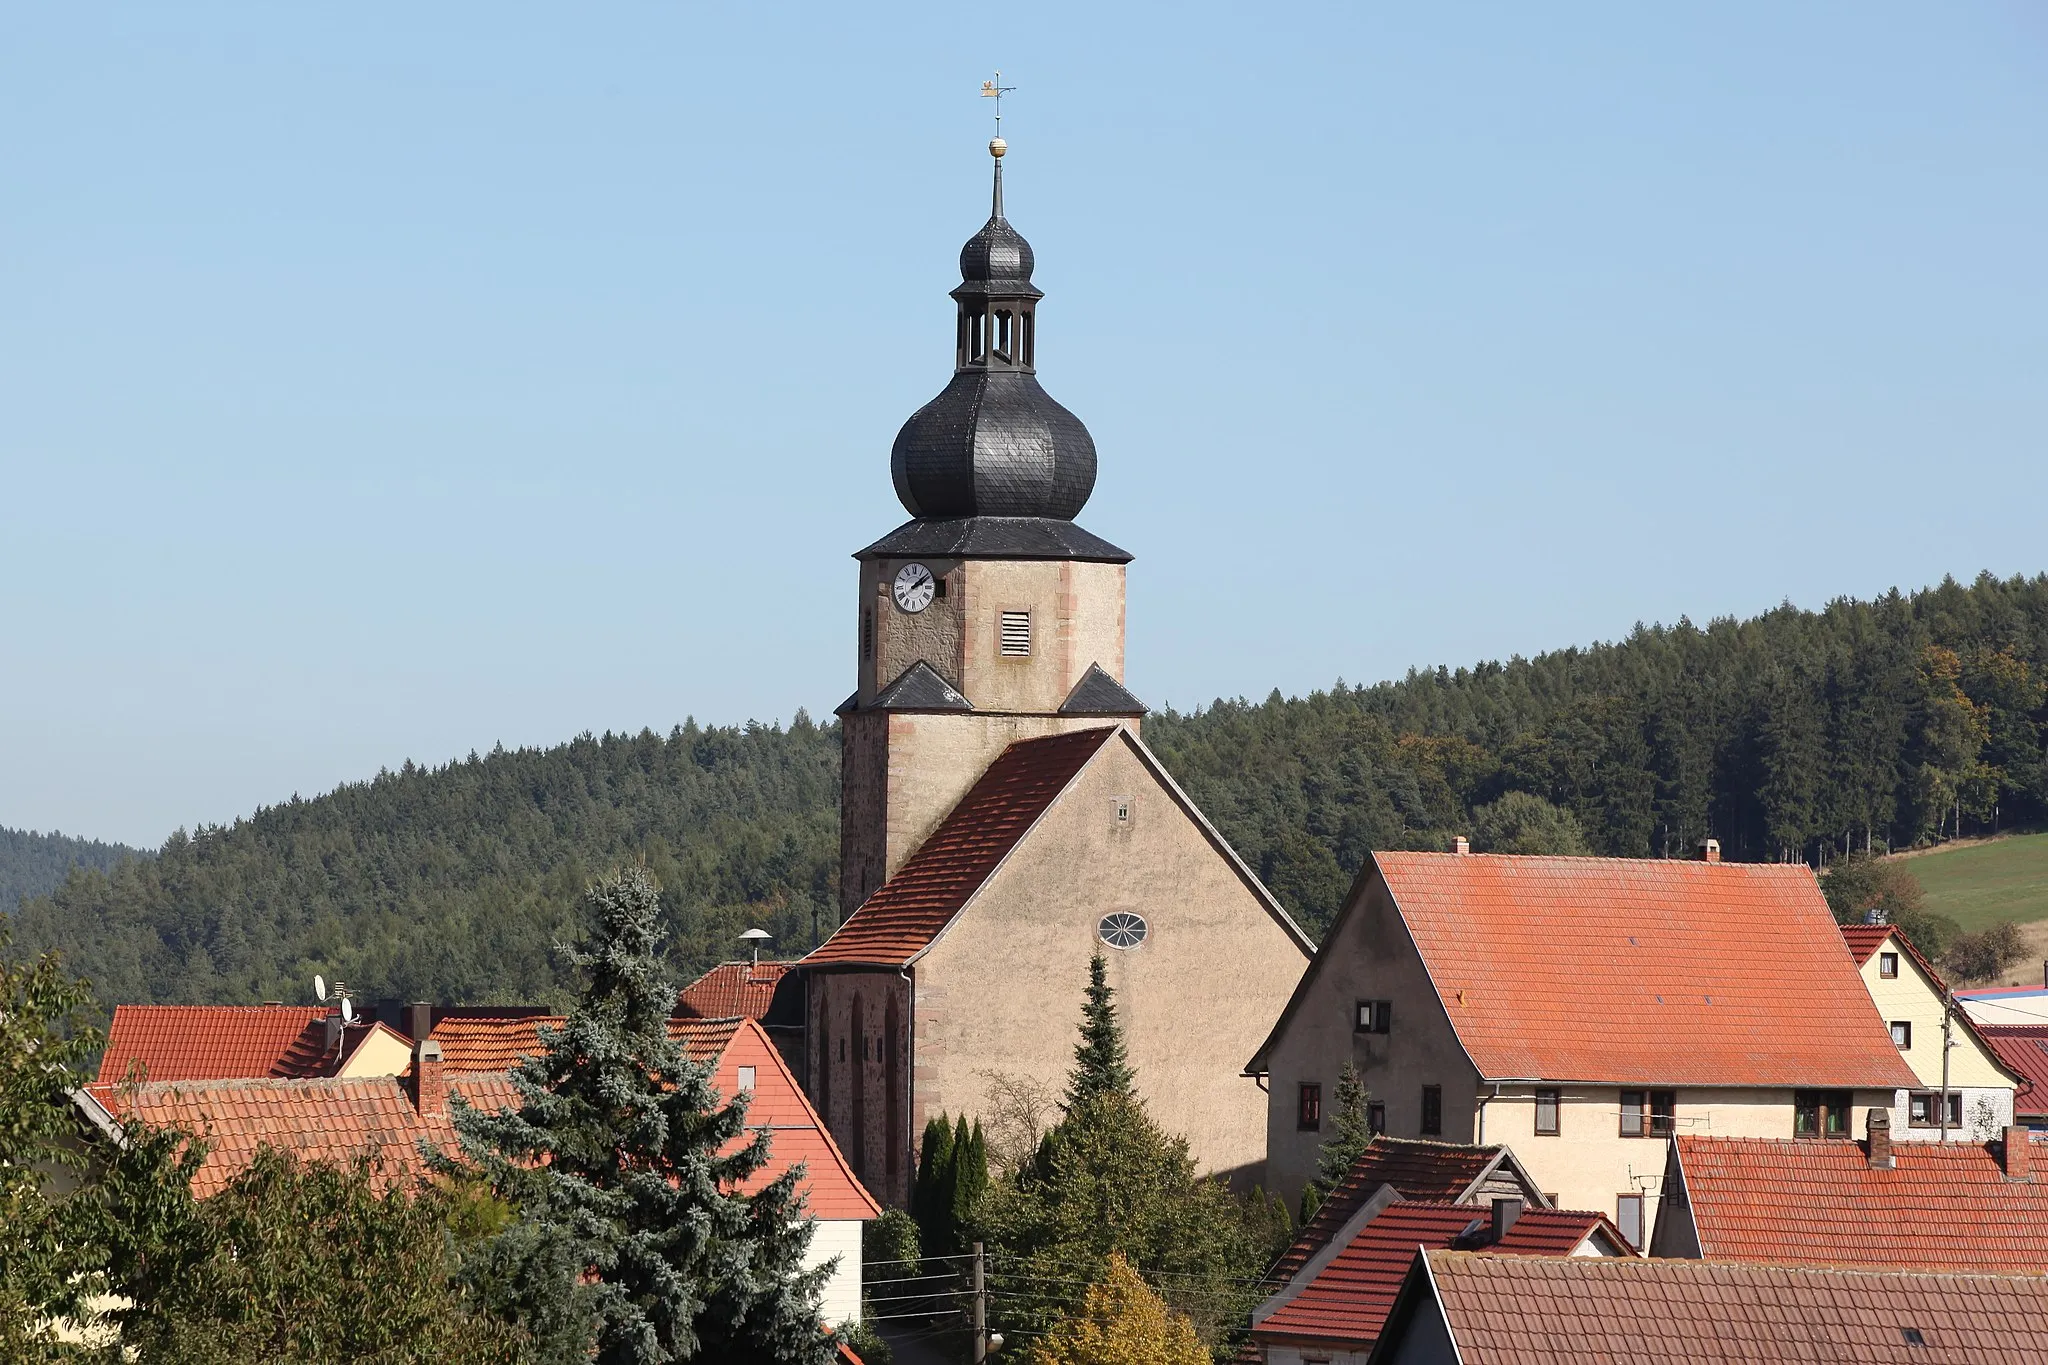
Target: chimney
(1710, 850)
(1506, 1213)
(333, 1026)
(429, 1083)
(1880, 1140)
(419, 1020)
(1461, 845)
(2019, 1154)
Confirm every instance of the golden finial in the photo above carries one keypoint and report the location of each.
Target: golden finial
(995, 90)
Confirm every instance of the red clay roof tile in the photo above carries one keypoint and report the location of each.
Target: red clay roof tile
(1544, 1310)
(1642, 970)
(1429, 1172)
(733, 990)
(2023, 1050)
(1347, 1302)
(1941, 1205)
(900, 921)
(205, 1042)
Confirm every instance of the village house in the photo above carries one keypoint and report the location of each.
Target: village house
(1580, 1010)
(1480, 1309)
(1001, 821)
(1331, 1310)
(1978, 1206)
(1912, 999)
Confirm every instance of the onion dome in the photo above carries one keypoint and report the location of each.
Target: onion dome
(994, 443)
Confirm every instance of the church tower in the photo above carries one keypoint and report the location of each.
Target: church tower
(990, 616)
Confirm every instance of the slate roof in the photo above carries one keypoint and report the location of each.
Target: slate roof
(1544, 1310)
(920, 688)
(1348, 1300)
(1946, 1205)
(200, 1042)
(1432, 1172)
(1098, 694)
(316, 1119)
(733, 990)
(2023, 1050)
(994, 538)
(1728, 974)
(900, 920)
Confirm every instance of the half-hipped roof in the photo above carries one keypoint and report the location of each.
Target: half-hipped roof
(1638, 971)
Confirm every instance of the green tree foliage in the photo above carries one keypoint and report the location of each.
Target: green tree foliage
(33, 864)
(1523, 822)
(622, 1161)
(1120, 1321)
(1108, 1181)
(454, 883)
(1862, 888)
(1985, 954)
(1102, 1064)
(1350, 1135)
(45, 1047)
(952, 1175)
(1798, 734)
(293, 1261)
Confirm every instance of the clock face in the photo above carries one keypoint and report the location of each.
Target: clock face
(914, 587)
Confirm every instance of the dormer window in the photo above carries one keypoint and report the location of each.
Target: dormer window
(1888, 965)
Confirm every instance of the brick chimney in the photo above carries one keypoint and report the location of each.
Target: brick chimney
(2019, 1154)
(1710, 850)
(1880, 1140)
(1506, 1213)
(429, 1084)
(1463, 845)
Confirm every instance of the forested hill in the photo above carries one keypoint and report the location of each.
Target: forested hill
(33, 864)
(1795, 734)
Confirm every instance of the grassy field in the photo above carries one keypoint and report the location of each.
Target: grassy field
(1983, 883)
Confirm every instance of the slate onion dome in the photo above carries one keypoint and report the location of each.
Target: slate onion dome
(993, 443)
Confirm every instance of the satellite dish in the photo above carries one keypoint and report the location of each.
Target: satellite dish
(348, 1011)
(320, 988)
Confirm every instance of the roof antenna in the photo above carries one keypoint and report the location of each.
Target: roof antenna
(754, 938)
(995, 90)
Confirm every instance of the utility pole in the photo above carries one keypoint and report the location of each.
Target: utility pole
(1948, 1012)
(979, 1309)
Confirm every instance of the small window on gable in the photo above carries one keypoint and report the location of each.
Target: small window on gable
(1888, 964)
(1309, 1116)
(1374, 1016)
(746, 1078)
(1375, 1118)
(1546, 1113)
(1015, 634)
(1123, 810)
(1902, 1034)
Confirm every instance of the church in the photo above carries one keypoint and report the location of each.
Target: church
(1001, 819)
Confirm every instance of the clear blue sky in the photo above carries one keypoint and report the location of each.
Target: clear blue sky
(390, 381)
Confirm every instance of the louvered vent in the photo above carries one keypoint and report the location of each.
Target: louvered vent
(867, 633)
(1016, 641)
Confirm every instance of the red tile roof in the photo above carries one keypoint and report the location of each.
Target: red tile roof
(1864, 939)
(1347, 1302)
(2023, 1050)
(490, 1042)
(900, 921)
(1642, 970)
(316, 1119)
(732, 990)
(1430, 1172)
(203, 1042)
(1942, 1205)
(831, 1190)
(1544, 1310)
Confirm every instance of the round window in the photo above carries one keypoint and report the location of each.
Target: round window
(1122, 929)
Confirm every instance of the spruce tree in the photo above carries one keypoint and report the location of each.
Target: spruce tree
(933, 1154)
(1101, 1064)
(625, 1164)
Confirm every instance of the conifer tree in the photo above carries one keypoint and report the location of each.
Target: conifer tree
(1350, 1135)
(933, 1154)
(969, 1178)
(1101, 1064)
(624, 1163)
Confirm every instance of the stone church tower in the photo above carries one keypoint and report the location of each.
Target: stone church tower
(1000, 819)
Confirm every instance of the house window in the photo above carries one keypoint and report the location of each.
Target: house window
(1888, 965)
(1820, 1113)
(1432, 1110)
(1375, 1118)
(1902, 1034)
(1374, 1016)
(1649, 1113)
(1309, 1117)
(1628, 1216)
(1546, 1113)
(1015, 635)
(746, 1078)
(1923, 1109)
(842, 1049)
(1123, 810)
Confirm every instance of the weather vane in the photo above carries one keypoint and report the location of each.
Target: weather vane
(995, 90)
